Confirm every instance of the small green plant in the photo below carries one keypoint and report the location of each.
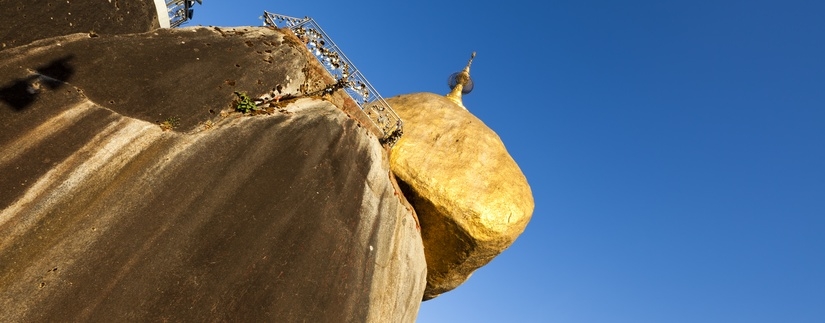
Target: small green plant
(208, 125)
(170, 123)
(244, 103)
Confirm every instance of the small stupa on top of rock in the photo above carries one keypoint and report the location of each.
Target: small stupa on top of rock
(461, 83)
(471, 197)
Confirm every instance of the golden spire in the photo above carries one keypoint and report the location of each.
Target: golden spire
(459, 81)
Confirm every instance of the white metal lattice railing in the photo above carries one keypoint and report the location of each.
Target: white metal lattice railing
(180, 11)
(342, 69)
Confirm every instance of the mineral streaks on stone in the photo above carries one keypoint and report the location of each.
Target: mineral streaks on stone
(290, 216)
(273, 218)
(470, 196)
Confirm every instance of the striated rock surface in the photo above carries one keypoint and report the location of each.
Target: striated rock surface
(471, 198)
(287, 216)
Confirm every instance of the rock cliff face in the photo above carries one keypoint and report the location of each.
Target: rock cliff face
(291, 215)
(27, 21)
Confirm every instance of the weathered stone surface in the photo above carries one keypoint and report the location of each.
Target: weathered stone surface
(291, 216)
(183, 74)
(470, 196)
(27, 21)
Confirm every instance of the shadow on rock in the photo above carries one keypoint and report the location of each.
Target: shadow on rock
(21, 93)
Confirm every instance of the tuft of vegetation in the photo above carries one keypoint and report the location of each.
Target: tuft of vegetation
(208, 125)
(170, 123)
(244, 103)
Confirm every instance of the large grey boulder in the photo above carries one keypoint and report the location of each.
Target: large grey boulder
(104, 215)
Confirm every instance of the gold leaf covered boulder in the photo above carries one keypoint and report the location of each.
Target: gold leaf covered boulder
(471, 198)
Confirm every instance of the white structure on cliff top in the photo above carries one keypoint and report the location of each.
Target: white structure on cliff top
(174, 13)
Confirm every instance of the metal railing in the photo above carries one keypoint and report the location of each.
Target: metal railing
(180, 11)
(341, 68)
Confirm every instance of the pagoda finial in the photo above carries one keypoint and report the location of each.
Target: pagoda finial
(461, 83)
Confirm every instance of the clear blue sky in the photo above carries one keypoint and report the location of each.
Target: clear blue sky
(676, 150)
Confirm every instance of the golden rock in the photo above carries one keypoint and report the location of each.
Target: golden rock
(471, 198)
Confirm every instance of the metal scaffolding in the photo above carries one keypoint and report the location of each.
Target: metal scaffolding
(341, 68)
(180, 11)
